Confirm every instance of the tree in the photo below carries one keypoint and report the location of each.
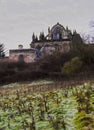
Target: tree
(2, 51)
(33, 38)
(77, 45)
(87, 38)
(42, 37)
(36, 38)
(72, 67)
(77, 39)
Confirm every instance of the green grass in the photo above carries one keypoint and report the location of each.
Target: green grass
(70, 108)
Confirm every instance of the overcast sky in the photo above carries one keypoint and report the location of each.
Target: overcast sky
(20, 18)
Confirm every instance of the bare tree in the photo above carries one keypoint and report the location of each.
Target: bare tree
(91, 23)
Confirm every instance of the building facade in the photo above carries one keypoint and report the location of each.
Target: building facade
(57, 39)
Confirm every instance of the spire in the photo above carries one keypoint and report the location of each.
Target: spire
(48, 30)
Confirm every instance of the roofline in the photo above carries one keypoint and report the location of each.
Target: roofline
(56, 25)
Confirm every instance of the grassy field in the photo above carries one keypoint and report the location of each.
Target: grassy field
(46, 105)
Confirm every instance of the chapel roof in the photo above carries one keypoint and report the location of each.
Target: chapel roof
(57, 25)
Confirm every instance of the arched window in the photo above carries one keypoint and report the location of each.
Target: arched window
(56, 34)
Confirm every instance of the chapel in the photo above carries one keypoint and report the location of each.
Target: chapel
(59, 33)
(57, 39)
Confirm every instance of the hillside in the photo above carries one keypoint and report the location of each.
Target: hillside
(55, 108)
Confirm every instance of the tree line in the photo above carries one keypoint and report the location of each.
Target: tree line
(78, 61)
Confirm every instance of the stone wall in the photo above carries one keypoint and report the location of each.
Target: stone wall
(63, 46)
(26, 55)
(39, 50)
(5, 59)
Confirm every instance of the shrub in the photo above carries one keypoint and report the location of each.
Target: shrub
(72, 67)
(83, 121)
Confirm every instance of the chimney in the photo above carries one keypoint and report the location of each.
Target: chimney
(20, 46)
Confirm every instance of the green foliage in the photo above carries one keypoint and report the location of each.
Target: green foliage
(72, 67)
(88, 54)
(77, 43)
(82, 50)
(21, 109)
(77, 40)
(83, 121)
